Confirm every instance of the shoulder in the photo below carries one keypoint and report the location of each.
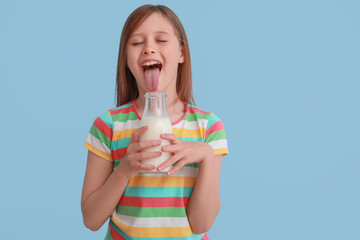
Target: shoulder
(122, 113)
(195, 112)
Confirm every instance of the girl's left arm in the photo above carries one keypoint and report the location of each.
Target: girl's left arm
(204, 203)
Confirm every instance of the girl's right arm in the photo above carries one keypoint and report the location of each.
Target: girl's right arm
(104, 186)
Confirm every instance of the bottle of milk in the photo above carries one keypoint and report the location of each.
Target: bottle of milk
(156, 117)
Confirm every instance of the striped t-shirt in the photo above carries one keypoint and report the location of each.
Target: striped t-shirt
(153, 205)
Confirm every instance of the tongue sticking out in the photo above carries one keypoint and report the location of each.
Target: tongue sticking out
(152, 78)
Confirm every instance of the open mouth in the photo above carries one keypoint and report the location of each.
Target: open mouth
(151, 65)
(152, 71)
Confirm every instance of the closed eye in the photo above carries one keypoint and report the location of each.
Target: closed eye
(136, 43)
(162, 40)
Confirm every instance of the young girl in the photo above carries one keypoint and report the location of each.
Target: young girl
(183, 203)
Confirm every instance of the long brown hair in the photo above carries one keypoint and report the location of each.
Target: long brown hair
(126, 87)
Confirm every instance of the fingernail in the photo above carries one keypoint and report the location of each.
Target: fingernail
(159, 168)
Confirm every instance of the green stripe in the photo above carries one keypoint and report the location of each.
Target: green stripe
(195, 165)
(158, 191)
(216, 136)
(123, 117)
(151, 211)
(108, 235)
(99, 135)
(195, 116)
(116, 162)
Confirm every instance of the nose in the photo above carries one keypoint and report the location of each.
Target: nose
(148, 49)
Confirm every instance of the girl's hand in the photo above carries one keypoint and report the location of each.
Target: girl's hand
(185, 152)
(131, 163)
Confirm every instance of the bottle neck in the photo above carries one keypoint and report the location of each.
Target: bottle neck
(155, 105)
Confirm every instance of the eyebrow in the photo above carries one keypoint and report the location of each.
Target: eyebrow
(136, 34)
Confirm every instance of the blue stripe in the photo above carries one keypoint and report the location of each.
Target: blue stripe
(158, 191)
(191, 237)
(212, 119)
(107, 119)
(191, 139)
(121, 143)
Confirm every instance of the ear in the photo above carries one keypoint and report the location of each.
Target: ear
(182, 54)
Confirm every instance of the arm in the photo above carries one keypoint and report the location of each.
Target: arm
(103, 186)
(204, 204)
(100, 196)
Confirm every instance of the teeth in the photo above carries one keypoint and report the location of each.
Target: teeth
(150, 63)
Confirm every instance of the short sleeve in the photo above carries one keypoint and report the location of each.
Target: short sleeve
(215, 136)
(100, 136)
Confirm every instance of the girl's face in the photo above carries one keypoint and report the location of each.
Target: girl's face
(153, 54)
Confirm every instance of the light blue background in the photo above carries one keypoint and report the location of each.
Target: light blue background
(282, 75)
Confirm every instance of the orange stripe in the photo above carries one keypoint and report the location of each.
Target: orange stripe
(163, 181)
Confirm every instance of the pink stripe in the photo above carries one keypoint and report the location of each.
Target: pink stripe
(205, 237)
(103, 127)
(119, 153)
(154, 201)
(215, 127)
(123, 111)
(114, 234)
(192, 110)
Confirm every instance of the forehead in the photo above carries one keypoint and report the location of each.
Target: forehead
(155, 22)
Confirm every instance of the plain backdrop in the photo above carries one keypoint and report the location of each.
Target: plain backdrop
(282, 75)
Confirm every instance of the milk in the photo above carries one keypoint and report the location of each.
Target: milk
(157, 126)
(155, 116)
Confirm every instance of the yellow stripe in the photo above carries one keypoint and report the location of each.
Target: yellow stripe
(221, 151)
(191, 133)
(154, 232)
(165, 181)
(98, 152)
(126, 133)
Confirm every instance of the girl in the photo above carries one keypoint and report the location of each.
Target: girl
(183, 203)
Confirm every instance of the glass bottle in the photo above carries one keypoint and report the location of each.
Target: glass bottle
(156, 117)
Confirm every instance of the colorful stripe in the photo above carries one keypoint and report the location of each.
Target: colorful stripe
(153, 232)
(158, 191)
(161, 181)
(152, 221)
(151, 212)
(154, 201)
(98, 152)
(153, 204)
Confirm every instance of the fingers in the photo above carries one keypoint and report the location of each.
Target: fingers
(178, 166)
(170, 161)
(146, 167)
(147, 155)
(147, 144)
(171, 137)
(137, 133)
(170, 148)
